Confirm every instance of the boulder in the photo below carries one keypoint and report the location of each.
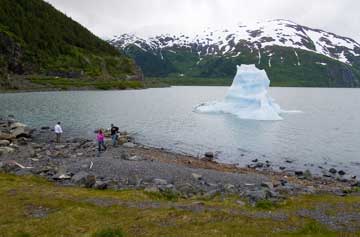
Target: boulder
(84, 179)
(17, 125)
(5, 136)
(21, 131)
(9, 167)
(6, 150)
(100, 185)
(187, 190)
(22, 141)
(124, 155)
(129, 145)
(122, 140)
(133, 181)
(4, 143)
(160, 182)
(257, 195)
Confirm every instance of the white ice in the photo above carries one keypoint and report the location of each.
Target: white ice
(247, 97)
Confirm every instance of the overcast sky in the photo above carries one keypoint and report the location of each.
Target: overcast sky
(108, 17)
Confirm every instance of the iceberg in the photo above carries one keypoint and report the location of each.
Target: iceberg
(247, 98)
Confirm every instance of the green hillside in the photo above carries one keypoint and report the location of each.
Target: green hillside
(37, 39)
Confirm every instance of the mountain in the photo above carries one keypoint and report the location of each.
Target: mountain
(37, 39)
(291, 54)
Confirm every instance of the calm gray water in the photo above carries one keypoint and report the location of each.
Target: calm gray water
(326, 133)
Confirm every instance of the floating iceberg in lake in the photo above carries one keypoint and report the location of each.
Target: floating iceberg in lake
(247, 97)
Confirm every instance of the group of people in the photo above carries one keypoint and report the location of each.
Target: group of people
(100, 137)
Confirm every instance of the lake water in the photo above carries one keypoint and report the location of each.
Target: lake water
(327, 133)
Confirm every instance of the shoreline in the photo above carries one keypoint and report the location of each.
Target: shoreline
(134, 166)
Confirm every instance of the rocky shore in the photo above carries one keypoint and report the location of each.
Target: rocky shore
(26, 151)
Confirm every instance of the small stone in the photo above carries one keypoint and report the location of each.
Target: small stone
(257, 195)
(196, 176)
(32, 153)
(59, 147)
(229, 187)
(133, 181)
(209, 154)
(282, 168)
(79, 154)
(135, 158)
(61, 177)
(152, 189)
(212, 193)
(268, 185)
(333, 170)
(341, 172)
(240, 203)
(169, 186)
(256, 160)
(299, 173)
(356, 184)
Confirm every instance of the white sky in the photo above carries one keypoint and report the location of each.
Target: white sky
(108, 17)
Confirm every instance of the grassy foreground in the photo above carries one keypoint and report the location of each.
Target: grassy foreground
(31, 206)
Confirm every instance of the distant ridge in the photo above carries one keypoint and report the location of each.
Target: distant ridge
(292, 54)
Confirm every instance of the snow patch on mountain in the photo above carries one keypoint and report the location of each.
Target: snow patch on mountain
(258, 35)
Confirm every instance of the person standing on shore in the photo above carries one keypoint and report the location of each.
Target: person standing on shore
(58, 131)
(100, 141)
(114, 134)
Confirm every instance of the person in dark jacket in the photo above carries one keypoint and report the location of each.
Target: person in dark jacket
(114, 134)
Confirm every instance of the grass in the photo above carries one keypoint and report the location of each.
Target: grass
(67, 83)
(67, 211)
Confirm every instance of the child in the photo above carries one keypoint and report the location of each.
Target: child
(100, 140)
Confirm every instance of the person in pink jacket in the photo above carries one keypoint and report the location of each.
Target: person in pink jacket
(100, 140)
